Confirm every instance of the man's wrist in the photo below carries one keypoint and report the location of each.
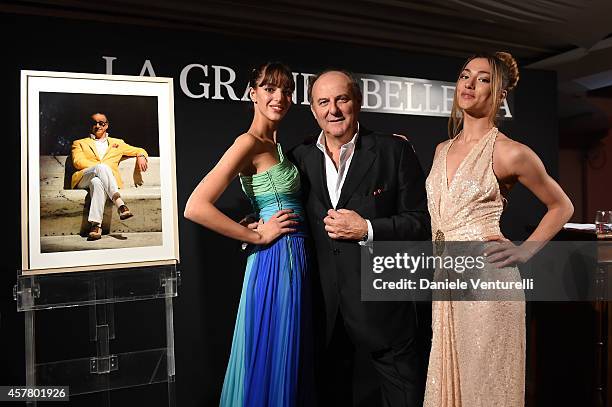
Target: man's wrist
(367, 236)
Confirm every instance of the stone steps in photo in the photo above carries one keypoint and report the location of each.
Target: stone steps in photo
(64, 211)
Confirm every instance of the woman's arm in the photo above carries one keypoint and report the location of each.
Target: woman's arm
(200, 207)
(519, 162)
(530, 172)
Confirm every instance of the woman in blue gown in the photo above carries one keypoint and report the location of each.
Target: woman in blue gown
(270, 358)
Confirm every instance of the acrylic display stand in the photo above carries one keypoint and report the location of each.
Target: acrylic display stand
(100, 290)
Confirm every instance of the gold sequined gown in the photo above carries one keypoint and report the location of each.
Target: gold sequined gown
(478, 347)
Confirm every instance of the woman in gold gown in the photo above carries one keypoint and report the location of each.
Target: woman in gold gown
(478, 347)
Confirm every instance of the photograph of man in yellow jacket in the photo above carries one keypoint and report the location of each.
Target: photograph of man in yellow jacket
(96, 159)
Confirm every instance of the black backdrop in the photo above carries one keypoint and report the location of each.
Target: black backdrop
(212, 266)
(65, 117)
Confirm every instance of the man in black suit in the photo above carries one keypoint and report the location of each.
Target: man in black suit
(358, 186)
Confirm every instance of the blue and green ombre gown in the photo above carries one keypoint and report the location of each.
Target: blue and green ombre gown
(269, 358)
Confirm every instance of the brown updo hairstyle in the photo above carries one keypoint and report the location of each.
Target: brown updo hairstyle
(272, 73)
(504, 77)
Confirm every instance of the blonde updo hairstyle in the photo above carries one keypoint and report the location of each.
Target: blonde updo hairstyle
(504, 77)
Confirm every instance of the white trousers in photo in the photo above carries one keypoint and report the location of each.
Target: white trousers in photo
(101, 183)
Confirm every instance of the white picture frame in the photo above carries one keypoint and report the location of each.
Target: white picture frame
(87, 258)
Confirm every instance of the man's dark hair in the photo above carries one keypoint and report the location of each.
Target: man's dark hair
(103, 114)
(356, 90)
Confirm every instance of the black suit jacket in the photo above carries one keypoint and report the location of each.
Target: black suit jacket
(386, 185)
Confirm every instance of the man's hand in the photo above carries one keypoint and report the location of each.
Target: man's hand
(141, 163)
(344, 224)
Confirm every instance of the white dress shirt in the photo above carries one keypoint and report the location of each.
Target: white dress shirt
(335, 177)
(101, 145)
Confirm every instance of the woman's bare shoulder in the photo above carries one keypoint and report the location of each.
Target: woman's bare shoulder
(512, 152)
(441, 145)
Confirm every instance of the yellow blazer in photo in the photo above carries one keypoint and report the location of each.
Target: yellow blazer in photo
(85, 155)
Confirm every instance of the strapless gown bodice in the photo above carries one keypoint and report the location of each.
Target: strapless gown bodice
(274, 189)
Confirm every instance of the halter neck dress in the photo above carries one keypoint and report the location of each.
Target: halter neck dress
(478, 347)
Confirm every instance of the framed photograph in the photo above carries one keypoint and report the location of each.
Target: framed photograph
(98, 183)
